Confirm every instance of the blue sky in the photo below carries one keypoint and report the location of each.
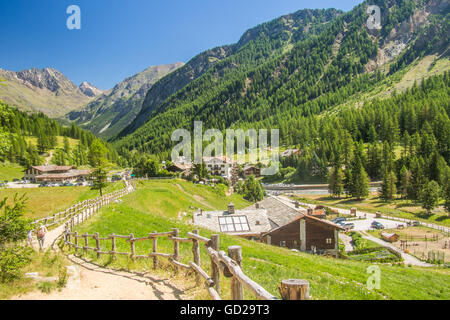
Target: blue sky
(119, 38)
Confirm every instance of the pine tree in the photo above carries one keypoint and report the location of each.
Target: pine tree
(98, 161)
(417, 178)
(336, 181)
(360, 179)
(388, 187)
(404, 181)
(66, 145)
(252, 189)
(430, 196)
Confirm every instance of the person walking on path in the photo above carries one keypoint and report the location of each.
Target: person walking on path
(30, 238)
(42, 231)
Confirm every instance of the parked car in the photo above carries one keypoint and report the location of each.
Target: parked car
(340, 219)
(348, 225)
(376, 225)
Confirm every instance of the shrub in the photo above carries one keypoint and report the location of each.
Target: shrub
(46, 287)
(12, 261)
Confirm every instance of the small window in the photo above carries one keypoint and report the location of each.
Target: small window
(282, 243)
(329, 241)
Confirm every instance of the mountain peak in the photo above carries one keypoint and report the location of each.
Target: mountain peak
(89, 89)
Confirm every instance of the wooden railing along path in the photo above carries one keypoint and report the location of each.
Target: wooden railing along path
(85, 208)
(229, 265)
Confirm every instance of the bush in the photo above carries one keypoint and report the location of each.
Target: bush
(46, 287)
(12, 261)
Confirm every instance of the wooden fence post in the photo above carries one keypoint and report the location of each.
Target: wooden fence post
(76, 242)
(113, 246)
(237, 290)
(155, 247)
(132, 246)
(66, 233)
(97, 244)
(294, 289)
(176, 248)
(196, 253)
(86, 242)
(215, 271)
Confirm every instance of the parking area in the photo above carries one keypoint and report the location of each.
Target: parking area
(21, 184)
(365, 224)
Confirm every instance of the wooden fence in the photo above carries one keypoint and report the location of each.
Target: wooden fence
(229, 265)
(84, 209)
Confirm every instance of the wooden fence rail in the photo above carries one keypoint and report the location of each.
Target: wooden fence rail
(83, 210)
(229, 265)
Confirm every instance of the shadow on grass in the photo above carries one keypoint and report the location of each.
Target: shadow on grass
(442, 218)
(423, 215)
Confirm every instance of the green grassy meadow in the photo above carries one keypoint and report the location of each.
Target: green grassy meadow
(47, 201)
(10, 171)
(155, 205)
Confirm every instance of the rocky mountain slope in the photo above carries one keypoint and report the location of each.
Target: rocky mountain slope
(311, 73)
(46, 90)
(90, 90)
(113, 110)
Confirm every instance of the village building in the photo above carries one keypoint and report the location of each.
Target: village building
(247, 223)
(54, 173)
(291, 152)
(182, 168)
(222, 166)
(389, 237)
(308, 234)
(276, 221)
(249, 170)
(317, 212)
(279, 211)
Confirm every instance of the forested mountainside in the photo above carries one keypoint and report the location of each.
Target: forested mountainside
(256, 46)
(312, 75)
(46, 90)
(26, 139)
(112, 111)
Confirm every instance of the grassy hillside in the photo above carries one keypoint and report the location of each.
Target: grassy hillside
(40, 205)
(153, 207)
(10, 171)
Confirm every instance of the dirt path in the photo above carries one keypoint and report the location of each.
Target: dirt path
(49, 158)
(347, 240)
(88, 281)
(196, 197)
